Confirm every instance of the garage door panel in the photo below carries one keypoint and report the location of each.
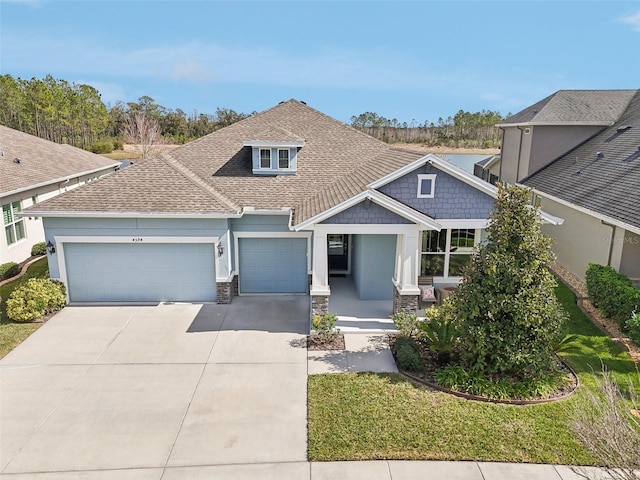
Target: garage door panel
(273, 265)
(140, 272)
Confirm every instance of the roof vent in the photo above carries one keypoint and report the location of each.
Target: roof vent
(623, 128)
(303, 102)
(16, 160)
(599, 155)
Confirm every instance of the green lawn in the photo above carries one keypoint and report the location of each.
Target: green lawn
(373, 416)
(12, 333)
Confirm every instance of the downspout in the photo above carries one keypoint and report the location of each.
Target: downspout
(519, 155)
(613, 232)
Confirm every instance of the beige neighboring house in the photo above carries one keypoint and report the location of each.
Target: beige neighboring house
(33, 170)
(579, 150)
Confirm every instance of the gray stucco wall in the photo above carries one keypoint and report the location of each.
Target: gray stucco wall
(453, 199)
(363, 214)
(373, 262)
(630, 261)
(581, 239)
(135, 227)
(551, 142)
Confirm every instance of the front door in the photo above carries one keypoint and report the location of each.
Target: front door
(338, 249)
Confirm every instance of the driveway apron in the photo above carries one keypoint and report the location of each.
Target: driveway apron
(155, 389)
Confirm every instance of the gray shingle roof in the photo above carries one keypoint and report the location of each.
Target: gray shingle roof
(214, 173)
(575, 106)
(609, 185)
(41, 161)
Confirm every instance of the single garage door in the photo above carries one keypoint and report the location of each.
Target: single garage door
(273, 265)
(150, 272)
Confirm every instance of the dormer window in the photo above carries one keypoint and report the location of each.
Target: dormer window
(265, 158)
(274, 157)
(283, 159)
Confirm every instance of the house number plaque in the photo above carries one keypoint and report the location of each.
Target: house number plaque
(136, 239)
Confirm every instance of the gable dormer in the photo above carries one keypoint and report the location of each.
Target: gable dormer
(274, 158)
(274, 152)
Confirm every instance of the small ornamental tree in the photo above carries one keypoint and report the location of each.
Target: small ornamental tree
(509, 314)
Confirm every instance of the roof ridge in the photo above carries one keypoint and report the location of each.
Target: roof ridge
(197, 180)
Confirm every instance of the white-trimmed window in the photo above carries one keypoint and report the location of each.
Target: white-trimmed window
(426, 185)
(265, 158)
(13, 225)
(283, 158)
(447, 252)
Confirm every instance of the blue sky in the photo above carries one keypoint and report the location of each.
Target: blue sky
(414, 60)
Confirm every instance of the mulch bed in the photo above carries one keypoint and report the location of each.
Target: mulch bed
(316, 342)
(432, 364)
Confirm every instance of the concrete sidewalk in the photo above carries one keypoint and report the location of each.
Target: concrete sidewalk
(364, 352)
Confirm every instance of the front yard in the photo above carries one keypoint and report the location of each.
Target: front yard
(13, 333)
(371, 416)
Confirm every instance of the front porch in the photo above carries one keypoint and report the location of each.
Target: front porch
(355, 315)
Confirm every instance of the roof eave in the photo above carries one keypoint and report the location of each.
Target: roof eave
(606, 218)
(58, 180)
(600, 123)
(116, 214)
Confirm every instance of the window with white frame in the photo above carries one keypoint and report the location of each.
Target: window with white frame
(426, 185)
(283, 158)
(265, 158)
(13, 225)
(446, 253)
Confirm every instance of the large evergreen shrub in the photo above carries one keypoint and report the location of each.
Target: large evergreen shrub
(509, 314)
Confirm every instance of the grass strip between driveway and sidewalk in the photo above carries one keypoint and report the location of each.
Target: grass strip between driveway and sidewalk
(369, 416)
(13, 333)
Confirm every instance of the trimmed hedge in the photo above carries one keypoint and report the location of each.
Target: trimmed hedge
(37, 297)
(39, 248)
(612, 292)
(8, 270)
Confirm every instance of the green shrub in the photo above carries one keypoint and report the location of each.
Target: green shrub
(409, 359)
(102, 146)
(457, 378)
(612, 292)
(633, 327)
(402, 341)
(37, 297)
(118, 145)
(506, 304)
(8, 270)
(406, 323)
(440, 329)
(324, 325)
(39, 248)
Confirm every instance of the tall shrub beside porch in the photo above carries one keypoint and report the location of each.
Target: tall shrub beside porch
(506, 303)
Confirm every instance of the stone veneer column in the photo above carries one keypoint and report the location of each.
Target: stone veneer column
(319, 305)
(404, 303)
(224, 292)
(235, 286)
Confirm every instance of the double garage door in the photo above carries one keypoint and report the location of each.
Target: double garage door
(149, 272)
(272, 265)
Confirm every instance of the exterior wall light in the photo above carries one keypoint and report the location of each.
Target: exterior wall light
(220, 249)
(50, 247)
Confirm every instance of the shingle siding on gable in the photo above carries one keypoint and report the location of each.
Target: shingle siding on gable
(454, 199)
(361, 214)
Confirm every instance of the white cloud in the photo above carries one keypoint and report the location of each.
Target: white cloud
(633, 20)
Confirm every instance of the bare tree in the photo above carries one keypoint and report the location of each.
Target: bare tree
(606, 422)
(143, 131)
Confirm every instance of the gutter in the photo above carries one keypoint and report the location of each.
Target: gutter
(613, 233)
(66, 214)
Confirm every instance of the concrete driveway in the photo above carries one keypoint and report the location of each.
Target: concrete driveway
(164, 391)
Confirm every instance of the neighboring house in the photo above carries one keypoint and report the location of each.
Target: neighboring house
(278, 203)
(579, 150)
(33, 170)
